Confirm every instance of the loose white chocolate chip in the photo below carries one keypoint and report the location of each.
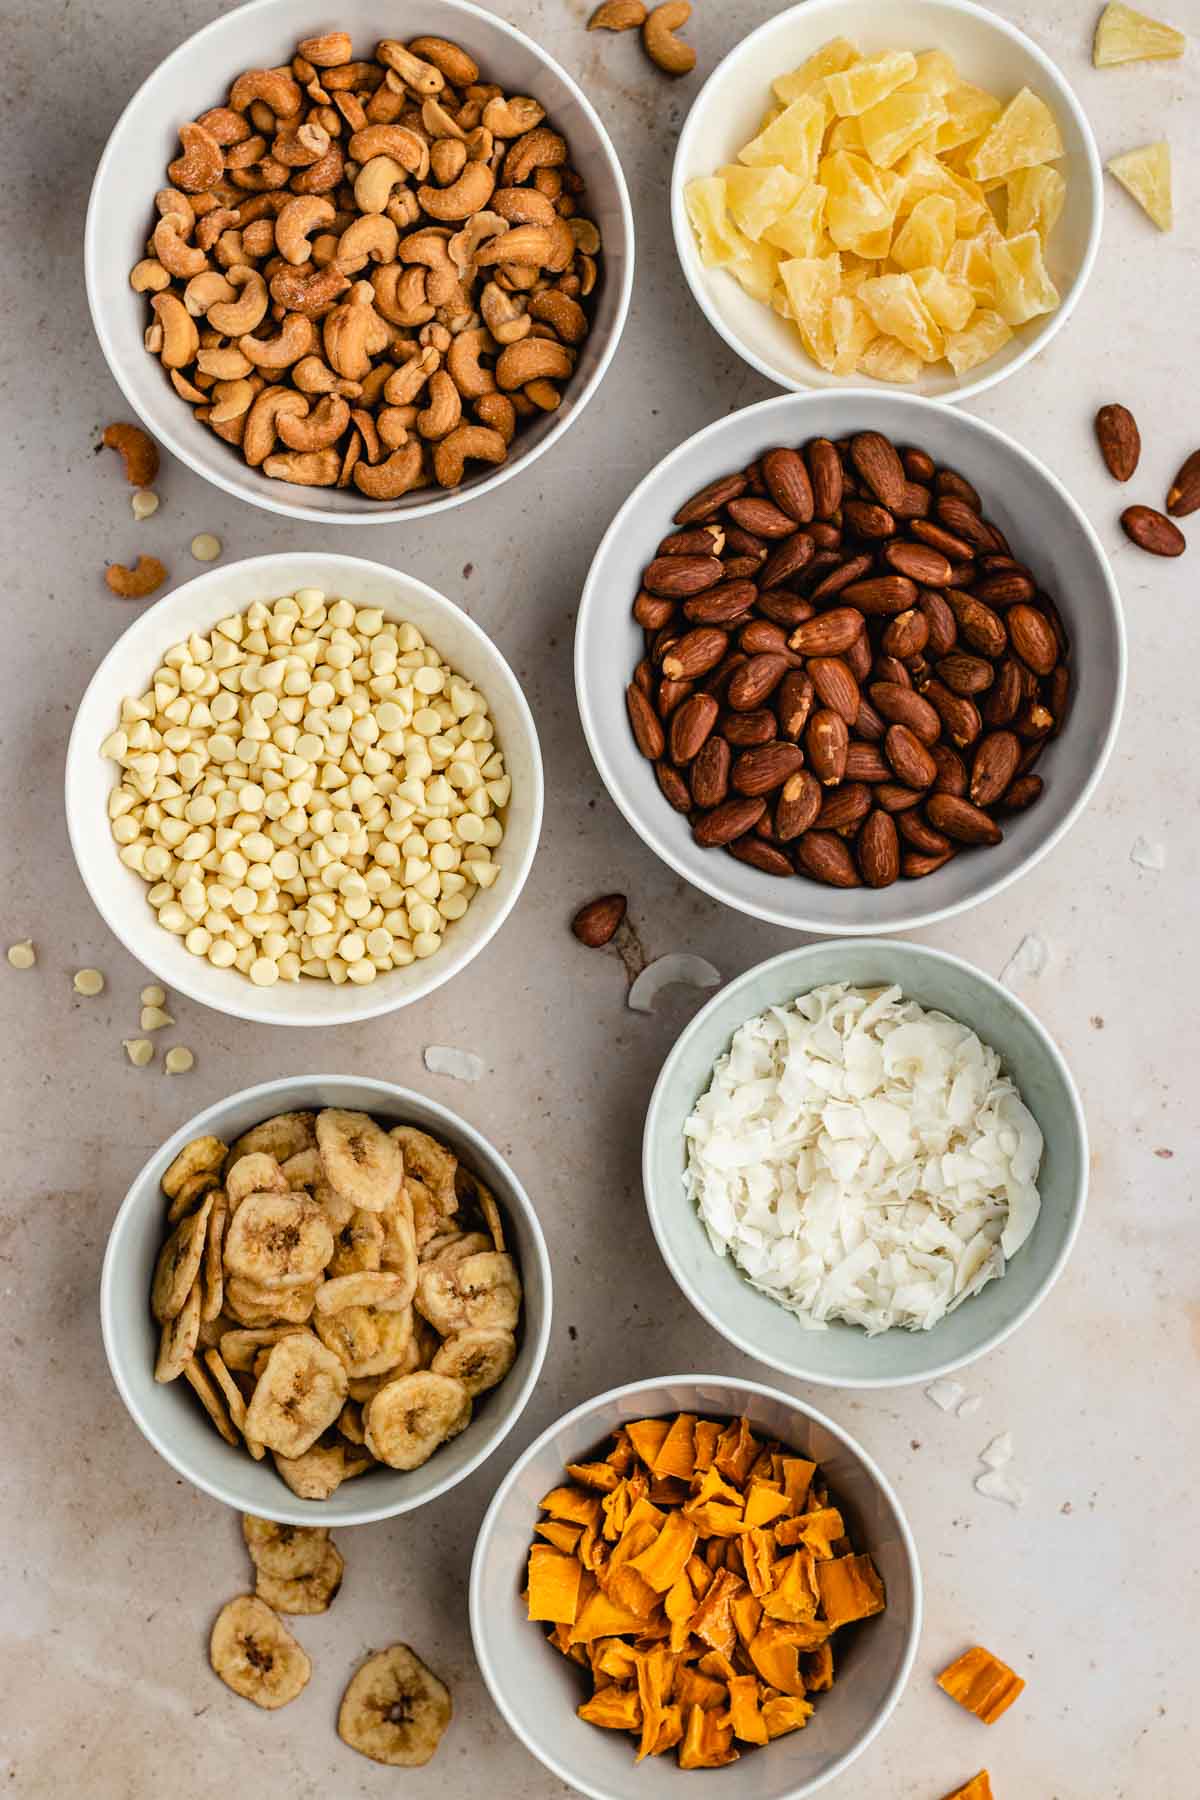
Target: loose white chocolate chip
(140, 1051)
(178, 1060)
(154, 1018)
(154, 996)
(144, 503)
(22, 955)
(206, 547)
(89, 983)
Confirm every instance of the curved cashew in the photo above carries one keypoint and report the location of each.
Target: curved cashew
(266, 175)
(262, 421)
(371, 390)
(402, 471)
(307, 468)
(405, 383)
(169, 200)
(181, 340)
(187, 390)
(235, 318)
(176, 256)
(497, 411)
(518, 278)
(396, 141)
(400, 295)
(364, 423)
(223, 362)
(350, 458)
(387, 103)
(149, 276)
(392, 423)
(258, 238)
(462, 360)
(430, 247)
(533, 359)
(137, 450)
(231, 399)
(420, 76)
(210, 227)
(475, 443)
(299, 146)
(296, 338)
(402, 209)
(444, 410)
(351, 109)
(374, 183)
(225, 125)
(512, 117)
(245, 154)
(544, 394)
(538, 149)
(504, 317)
(274, 87)
(566, 317)
(459, 69)
(322, 176)
(322, 427)
(296, 220)
(372, 238)
(202, 162)
(152, 338)
(447, 158)
(232, 430)
(476, 231)
(311, 294)
(205, 290)
(261, 206)
(136, 583)
(529, 244)
(670, 53)
(468, 195)
(326, 51)
(312, 376)
(441, 124)
(356, 75)
(346, 331)
(524, 206)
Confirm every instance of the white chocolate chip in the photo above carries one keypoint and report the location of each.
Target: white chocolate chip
(205, 547)
(153, 1017)
(144, 503)
(178, 1060)
(22, 955)
(89, 983)
(140, 1051)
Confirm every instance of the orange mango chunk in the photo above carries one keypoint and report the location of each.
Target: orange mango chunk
(850, 1589)
(598, 1475)
(677, 1454)
(978, 1788)
(794, 1596)
(707, 1744)
(818, 1530)
(663, 1561)
(981, 1683)
(784, 1713)
(745, 1718)
(647, 1437)
(554, 1578)
(614, 1708)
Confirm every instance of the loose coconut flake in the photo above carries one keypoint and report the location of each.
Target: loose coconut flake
(1029, 958)
(945, 1394)
(459, 1065)
(862, 1159)
(692, 971)
(1148, 855)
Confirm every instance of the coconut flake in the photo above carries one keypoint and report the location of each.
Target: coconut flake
(459, 1065)
(996, 1485)
(998, 1452)
(1148, 855)
(1029, 958)
(667, 971)
(945, 1394)
(970, 1405)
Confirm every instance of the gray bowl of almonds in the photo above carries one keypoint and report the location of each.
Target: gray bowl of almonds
(322, 1279)
(362, 268)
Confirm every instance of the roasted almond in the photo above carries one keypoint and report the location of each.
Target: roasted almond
(695, 653)
(953, 548)
(878, 849)
(916, 830)
(901, 706)
(674, 788)
(732, 819)
(669, 695)
(890, 668)
(798, 803)
(893, 797)
(787, 559)
(910, 760)
(829, 634)
(960, 820)
(643, 677)
(722, 604)
(866, 519)
(918, 465)
(1004, 696)
(825, 474)
(951, 770)
(920, 562)
(835, 686)
(843, 807)
(965, 523)
(1183, 495)
(761, 516)
(949, 481)
(709, 501)
(914, 863)
(676, 577)
(1034, 720)
(788, 484)
(697, 540)
(756, 680)
(761, 636)
(746, 729)
(959, 715)
(1022, 793)
(1004, 587)
(858, 657)
(825, 534)
(708, 775)
(878, 465)
(1152, 531)
(760, 855)
(596, 923)
(794, 703)
(647, 730)
(993, 766)
(906, 634)
(1032, 638)
(827, 742)
(690, 724)
(763, 770)
(917, 502)
(870, 724)
(653, 611)
(880, 595)
(979, 624)
(965, 674)
(841, 575)
(823, 856)
(1058, 694)
(943, 627)
(1119, 439)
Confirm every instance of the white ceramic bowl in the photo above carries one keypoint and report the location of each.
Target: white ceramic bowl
(1046, 527)
(195, 76)
(120, 895)
(537, 1689)
(843, 1355)
(728, 111)
(169, 1416)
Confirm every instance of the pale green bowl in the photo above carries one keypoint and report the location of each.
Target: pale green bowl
(843, 1356)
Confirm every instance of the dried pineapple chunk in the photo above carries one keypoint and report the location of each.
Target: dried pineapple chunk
(857, 214)
(846, 134)
(936, 74)
(756, 197)
(922, 174)
(896, 307)
(852, 90)
(972, 113)
(1123, 35)
(756, 267)
(927, 235)
(801, 230)
(852, 329)
(970, 264)
(793, 139)
(1024, 134)
(986, 333)
(1023, 286)
(830, 59)
(896, 125)
(1035, 199)
(1146, 174)
(886, 360)
(716, 235)
(811, 283)
(950, 302)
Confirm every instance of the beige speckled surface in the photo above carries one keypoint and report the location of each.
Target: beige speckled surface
(110, 1568)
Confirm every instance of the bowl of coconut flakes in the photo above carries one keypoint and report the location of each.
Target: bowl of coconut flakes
(865, 1163)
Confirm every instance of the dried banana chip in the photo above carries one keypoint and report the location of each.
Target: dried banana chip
(361, 1161)
(473, 1192)
(213, 1270)
(255, 1307)
(283, 1136)
(408, 1419)
(212, 1330)
(307, 1171)
(399, 1249)
(480, 1357)
(277, 1241)
(357, 1246)
(203, 1156)
(313, 1593)
(177, 1340)
(179, 1263)
(350, 1423)
(191, 1193)
(210, 1400)
(395, 1710)
(484, 1289)
(299, 1395)
(378, 1288)
(287, 1552)
(428, 1221)
(430, 1163)
(257, 1173)
(255, 1655)
(453, 1246)
(357, 1461)
(231, 1393)
(316, 1474)
(240, 1346)
(365, 1340)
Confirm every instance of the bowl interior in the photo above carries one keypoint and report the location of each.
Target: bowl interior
(843, 1355)
(120, 895)
(196, 75)
(538, 1689)
(1045, 527)
(729, 109)
(169, 1415)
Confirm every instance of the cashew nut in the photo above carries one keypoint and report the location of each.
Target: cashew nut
(545, 396)
(296, 338)
(538, 149)
(420, 76)
(618, 15)
(322, 176)
(346, 332)
(447, 158)
(312, 376)
(300, 146)
(169, 200)
(523, 206)
(311, 294)
(400, 295)
(137, 450)
(564, 315)
(430, 247)
(529, 244)
(136, 583)
(497, 411)
(202, 161)
(205, 290)
(296, 220)
(266, 174)
(444, 410)
(214, 222)
(533, 359)
(247, 153)
(392, 423)
(317, 430)
(405, 383)
(474, 443)
(235, 318)
(371, 390)
(399, 474)
(586, 236)
(326, 51)
(307, 468)
(187, 390)
(512, 118)
(459, 69)
(149, 276)
(262, 422)
(176, 256)
(274, 87)
(388, 102)
(230, 400)
(365, 425)
(468, 195)
(374, 183)
(462, 360)
(402, 209)
(357, 75)
(372, 238)
(223, 362)
(396, 141)
(225, 125)
(439, 123)
(670, 53)
(258, 238)
(476, 231)
(181, 340)
(504, 317)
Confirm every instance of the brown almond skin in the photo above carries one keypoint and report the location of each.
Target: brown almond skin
(949, 481)
(784, 608)
(960, 820)
(827, 742)
(596, 923)
(951, 770)
(894, 798)
(647, 730)
(760, 855)
(824, 857)
(761, 637)
(675, 577)
(653, 611)
(959, 715)
(1022, 793)
(745, 729)
(755, 681)
(868, 520)
(916, 830)
(788, 483)
(825, 534)
(1183, 495)
(698, 540)
(918, 465)
(691, 724)
(964, 521)
(1004, 587)
(709, 773)
(877, 464)
(709, 501)
(844, 807)
(920, 562)
(914, 864)
(878, 849)
(835, 686)
(761, 516)
(825, 474)
(993, 767)
(1033, 639)
(900, 706)
(881, 595)
(1119, 439)
(763, 770)
(858, 657)
(732, 819)
(671, 694)
(696, 653)
(965, 674)
(979, 625)
(643, 677)
(870, 724)
(786, 560)
(797, 805)
(953, 548)
(917, 502)
(794, 702)
(846, 570)
(906, 634)
(1001, 703)
(1058, 695)
(1152, 531)
(722, 604)
(829, 634)
(942, 625)
(910, 760)
(674, 788)
(866, 762)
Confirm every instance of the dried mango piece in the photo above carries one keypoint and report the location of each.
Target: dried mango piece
(679, 1605)
(746, 1612)
(554, 1579)
(758, 1560)
(716, 235)
(622, 1456)
(850, 1589)
(600, 1476)
(744, 1717)
(1035, 200)
(777, 1660)
(670, 1729)
(896, 125)
(797, 1472)
(563, 1537)
(765, 1503)
(857, 215)
(896, 307)
(712, 1621)
(981, 1683)
(618, 1505)
(800, 231)
(794, 1596)
(819, 1530)
(784, 1713)
(793, 138)
(560, 1637)
(699, 1574)
(830, 59)
(757, 196)
(707, 1744)
(1023, 285)
(656, 1670)
(707, 1433)
(663, 1561)
(972, 112)
(1123, 35)
(925, 239)
(613, 1657)
(863, 84)
(677, 1454)
(1025, 133)
(737, 1452)
(978, 1788)
(571, 1504)
(626, 1589)
(886, 360)
(694, 1688)
(817, 1668)
(845, 135)
(613, 1708)
(984, 334)
(1146, 174)
(598, 1616)
(669, 1491)
(950, 302)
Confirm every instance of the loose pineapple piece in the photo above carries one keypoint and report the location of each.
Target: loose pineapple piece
(1123, 35)
(1146, 174)
(1023, 285)
(886, 360)
(1025, 133)
(830, 59)
(922, 173)
(793, 139)
(927, 235)
(1035, 200)
(950, 302)
(757, 196)
(896, 125)
(969, 261)
(801, 230)
(972, 113)
(985, 333)
(896, 307)
(936, 74)
(716, 235)
(854, 89)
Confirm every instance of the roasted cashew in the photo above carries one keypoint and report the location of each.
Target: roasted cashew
(405, 383)
(247, 153)
(312, 294)
(439, 123)
(318, 429)
(364, 424)
(296, 338)
(322, 176)
(399, 474)
(476, 231)
(497, 411)
(462, 360)
(137, 450)
(306, 468)
(346, 332)
(176, 256)
(205, 290)
(152, 338)
(447, 159)
(538, 149)
(149, 276)
(459, 69)
(234, 318)
(371, 390)
(505, 318)
(136, 583)
(202, 162)
(512, 117)
(326, 51)
(232, 431)
(396, 141)
(523, 206)
(299, 146)
(230, 400)
(400, 295)
(170, 201)
(545, 396)
(444, 410)
(295, 222)
(274, 87)
(566, 317)
(262, 422)
(482, 147)
(258, 238)
(181, 340)
(265, 176)
(528, 244)
(388, 102)
(223, 362)
(351, 109)
(420, 76)
(374, 183)
(312, 376)
(430, 247)
(670, 53)
(392, 424)
(225, 125)
(352, 75)
(474, 443)
(533, 359)
(468, 195)
(210, 227)
(187, 390)
(373, 238)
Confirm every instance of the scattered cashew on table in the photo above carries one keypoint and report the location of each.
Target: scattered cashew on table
(658, 28)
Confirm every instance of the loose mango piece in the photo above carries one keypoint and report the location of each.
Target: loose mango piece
(927, 236)
(797, 1473)
(600, 1476)
(846, 134)
(800, 230)
(1035, 200)
(978, 1788)
(896, 307)
(662, 1562)
(554, 1579)
(886, 360)
(670, 1730)
(757, 196)
(694, 1688)
(777, 1660)
(757, 1551)
(984, 334)
(850, 1589)
(784, 1713)
(571, 1504)
(1024, 134)
(832, 57)
(1023, 285)
(950, 302)
(1123, 35)
(764, 1504)
(817, 1668)
(563, 1537)
(794, 1596)
(647, 1437)
(656, 1670)
(793, 139)
(712, 1621)
(923, 174)
(936, 74)
(599, 1616)
(854, 89)
(737, 1452)
(896, 125)
(707, 1435)
(981, 1683)
(1146, 174)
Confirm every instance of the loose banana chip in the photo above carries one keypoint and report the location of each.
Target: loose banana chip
(256, 1307)
(179, 1263)
(213, 1275)
(357, 1462)
(255, 1655)
(283, 1136)
(203, 1156)
(313, 1593)
(395, 1710)
(277, 1241)
(361, 1161)
(240, 1346)
(257, 1173)
(480, 1358)
(177, 1340)
(379, 1288)
(299, 1395)
(484, 1289)
(231, 1393)
(191, 1193)
(315, 1474)
(357, 1246)
(288, 1552)
(430, 1163)
(409, 1418)
(452, 1246)
(365, 1387)
(210, 1400)
(366, 1340)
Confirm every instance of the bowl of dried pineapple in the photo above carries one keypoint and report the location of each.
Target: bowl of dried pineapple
(907, 196)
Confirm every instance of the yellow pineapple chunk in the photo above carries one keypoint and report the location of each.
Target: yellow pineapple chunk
(1035, 199)
(896, 307)
(936, 74)
(982, 337)
(793, 139)
(1024, 134)
(950, 302)
(1023, 286)
(801, 230)
(886, 360)
(756, 267)
(856, 270)
(757, 197)
(811, 283)
(894, 126)
(923, 173)
(852, 90)
(852, 329)
(970, 264)
(845, 134)
(1123, 35)
(972, 113)
(716, 235)
(857, 214)
(925, 238)
(830, 59)
(1146, 174)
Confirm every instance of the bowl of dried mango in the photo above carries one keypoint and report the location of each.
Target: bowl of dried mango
(695, 1573)
(909, 197)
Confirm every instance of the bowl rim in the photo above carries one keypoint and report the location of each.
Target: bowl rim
(629, 1390)
(293, 1510)
(623, 525)
(443, 501)
(373, 1005)
(1036, 340)
(788, 959)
